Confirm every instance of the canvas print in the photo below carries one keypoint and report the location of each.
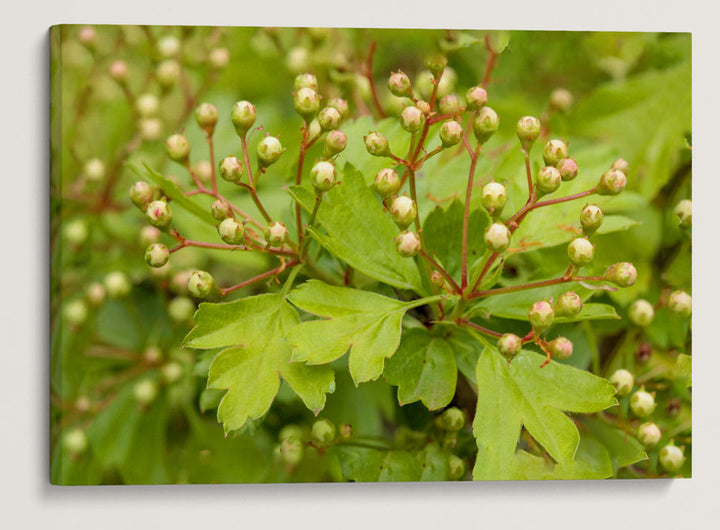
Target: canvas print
(360, 255)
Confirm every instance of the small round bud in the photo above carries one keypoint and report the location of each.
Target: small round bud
(171, 372)
(94, 170)
(403, 211)
(329, 119)
(456, 467)
(87, 37)
(168, 72)
(376, 144)
(75, 442)
(149, 235)
(117, 284)
(671, 458)
(322, 176)
(560, 348)
(449, 104)
(181, 308)
(297, 60)
(201, 284)
(76, 232)
(569, 304)
(642, 404)
(683, 210)
(346, 431)
(494, 198)
(561, 99)
(424, 84)
(232, 232)
(231, 169)
(218, 58)
(423, 106)
(291, 451)
(649, 434)
(243, 116)
(399, 85)
(641, 313)
(323, 432)
(158, 214)
(293, 432)
(591, 217)
(680, 302)
(485, 124)
(147, 105)
(150, 129)
(157, 255)
(307, 103)
(306, 80)
(269, 150)
(548, 180)
(145, 392)
(335, 142)
(622, 274)
(452, 419)
(621, 164)
(341, 106)
(412, 119)
(476, 98)
(528, 130)
(623, 381)
(581, 251)
(446, 84)
(178, 148)
(436, 63)
(387, 182)
(203, 170)
(451, 133)
(509, 345)
(541, 316)
(497, 237)
(206, 116)
(407, 244)
(554, 151)
(119, 71)
(438, 279)
(169, 46)
(76, 312)
(95, 294)
(276, 234)
(568, 169)
(220, 209)
(612, 182)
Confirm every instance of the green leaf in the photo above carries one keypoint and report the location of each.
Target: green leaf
(357, 229)
(424, 369)
(253, 330)
(524, 394)
(460, 40)
(171, 190)
(623, 449)
(368, 323)
(434, 463)
(371, 465)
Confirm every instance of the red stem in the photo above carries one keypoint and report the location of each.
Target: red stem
(272, 272)
(441, 270)
(477, 327)
(491, 62)
(466, 216)
(533, 285)
(368, 74)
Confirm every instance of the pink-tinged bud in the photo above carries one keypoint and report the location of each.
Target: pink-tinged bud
(276, 234)
(403, 211)
(158, 214)
(329, 119)
(509, 345)
(87, 37)
(423, 106)
(269, 150)
(119, 71)
(201, 284)
(680, 302)
(641, 313)
(436, 63)
(178, 148)
(306, 80)
(149, 235)
(580, 251)
(485, 124)
(376, 144)
(612, 182)
(591, 217)
(341, 106)
(407, 244)
(494, 198)
(622, 274)
(683, 211)
(671, 458)
(528, 130)
(449, 104)
(335, 142)
(157, 255)
(206, 116)
(560, 348)
(649, 434)
(569, 304)
(232, 232)
(476, 98)
(218, 58)
(621, 164)
(568, 169)
(451, 133)
(548, 180)
(220, 209)
(243, 117)
(307, 103)
(387, 182)
(203, 170)
(168, 73)
(642, 403)
(231, 169)
(95, 294)
(561, 99)
(412, 119)
(541, 316)
(322, 176)
(623, 381)
(497, 237)
(554, 151)
(399, 85)
(169, 46)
